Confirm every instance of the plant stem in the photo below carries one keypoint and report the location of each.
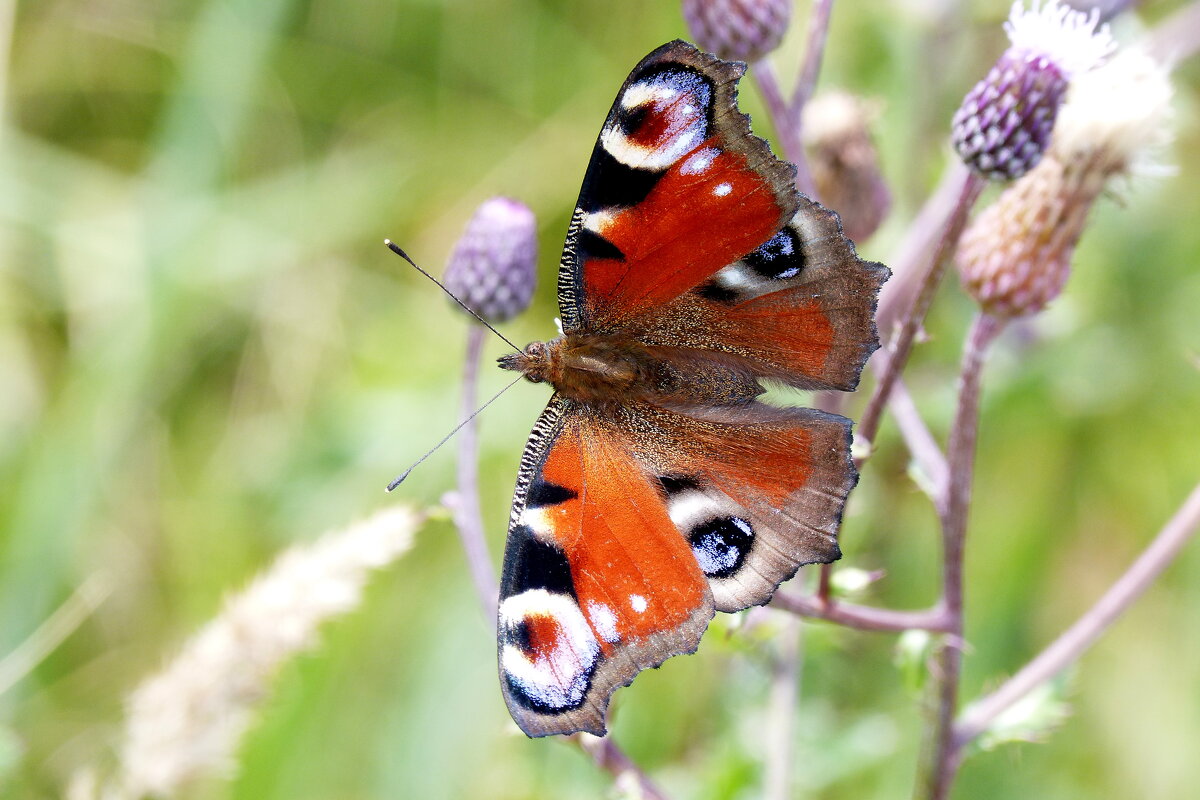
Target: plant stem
(942, 758)
(814, 54)
(464, 503)
(1088, 628)
(864, 618)
(786, 122)
(613, 760)
(910, 321)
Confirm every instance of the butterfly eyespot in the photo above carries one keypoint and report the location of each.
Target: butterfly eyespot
(721, 545)
(780, 258)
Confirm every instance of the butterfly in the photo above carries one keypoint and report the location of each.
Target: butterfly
(656, 487)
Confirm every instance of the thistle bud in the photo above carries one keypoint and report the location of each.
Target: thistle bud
(738, 30)
(844, 162)
(492, 267)
(1004, 124)
(1016, 256)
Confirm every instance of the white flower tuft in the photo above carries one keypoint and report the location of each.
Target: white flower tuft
(187, 720)
(1118, 111)
(1071, 39)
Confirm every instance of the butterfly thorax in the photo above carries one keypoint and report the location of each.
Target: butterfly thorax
(596, 369)
(608, 370)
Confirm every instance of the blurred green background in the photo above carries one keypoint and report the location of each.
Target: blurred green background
(207, 355)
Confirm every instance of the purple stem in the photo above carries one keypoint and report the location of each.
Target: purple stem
(862, 617)
(910, 321)
(613, 760)
(814, 54)
(944, 757)
(787, 125)
(464, 504)
(1089, 627)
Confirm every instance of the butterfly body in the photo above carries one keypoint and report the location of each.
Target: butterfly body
(606, 371)
(657, 488)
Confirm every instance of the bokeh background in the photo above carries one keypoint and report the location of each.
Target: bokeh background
(206, 355)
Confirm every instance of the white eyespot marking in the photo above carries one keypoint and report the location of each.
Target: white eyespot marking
(698, 162)
(539, 521)
(722, 189)
(688, 508)
(604, 621)
(638, 603)
(670, 107)
(790, 272)
(556, 674)
(737, 277)
(598, 221)
(653, 90)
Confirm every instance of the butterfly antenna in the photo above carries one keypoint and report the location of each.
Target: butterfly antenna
(400, 478)
(395, 248)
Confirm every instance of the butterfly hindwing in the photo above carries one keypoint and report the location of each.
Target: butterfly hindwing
(597, 583)
(756, 491)
(677, 188)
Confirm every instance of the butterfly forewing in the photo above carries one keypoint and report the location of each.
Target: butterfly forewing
(674, 152)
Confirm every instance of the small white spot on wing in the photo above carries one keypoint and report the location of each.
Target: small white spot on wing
(722, 189)
(638, 603)
(604, 621)
(699, 161)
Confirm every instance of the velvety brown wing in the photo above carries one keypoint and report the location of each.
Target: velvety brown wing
(756, 491)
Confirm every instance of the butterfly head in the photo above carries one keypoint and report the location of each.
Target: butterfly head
(534, 362)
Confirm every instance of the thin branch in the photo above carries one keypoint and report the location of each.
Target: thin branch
(921, 445)
(864, 618)
(942, 759)
(1088, 628)
(786, 122)
(613, 760)
(814, 54)
(464, 503)
(910, 321)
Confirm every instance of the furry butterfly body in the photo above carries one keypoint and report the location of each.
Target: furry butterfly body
(656, 489)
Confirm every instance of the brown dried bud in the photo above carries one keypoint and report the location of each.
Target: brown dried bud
(844, 162)
(738, 30)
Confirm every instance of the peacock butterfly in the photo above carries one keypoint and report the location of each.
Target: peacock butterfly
(656, 488)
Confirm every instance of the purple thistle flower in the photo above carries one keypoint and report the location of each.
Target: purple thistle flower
(493, 266)
(738, 30)
(1004, 124)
